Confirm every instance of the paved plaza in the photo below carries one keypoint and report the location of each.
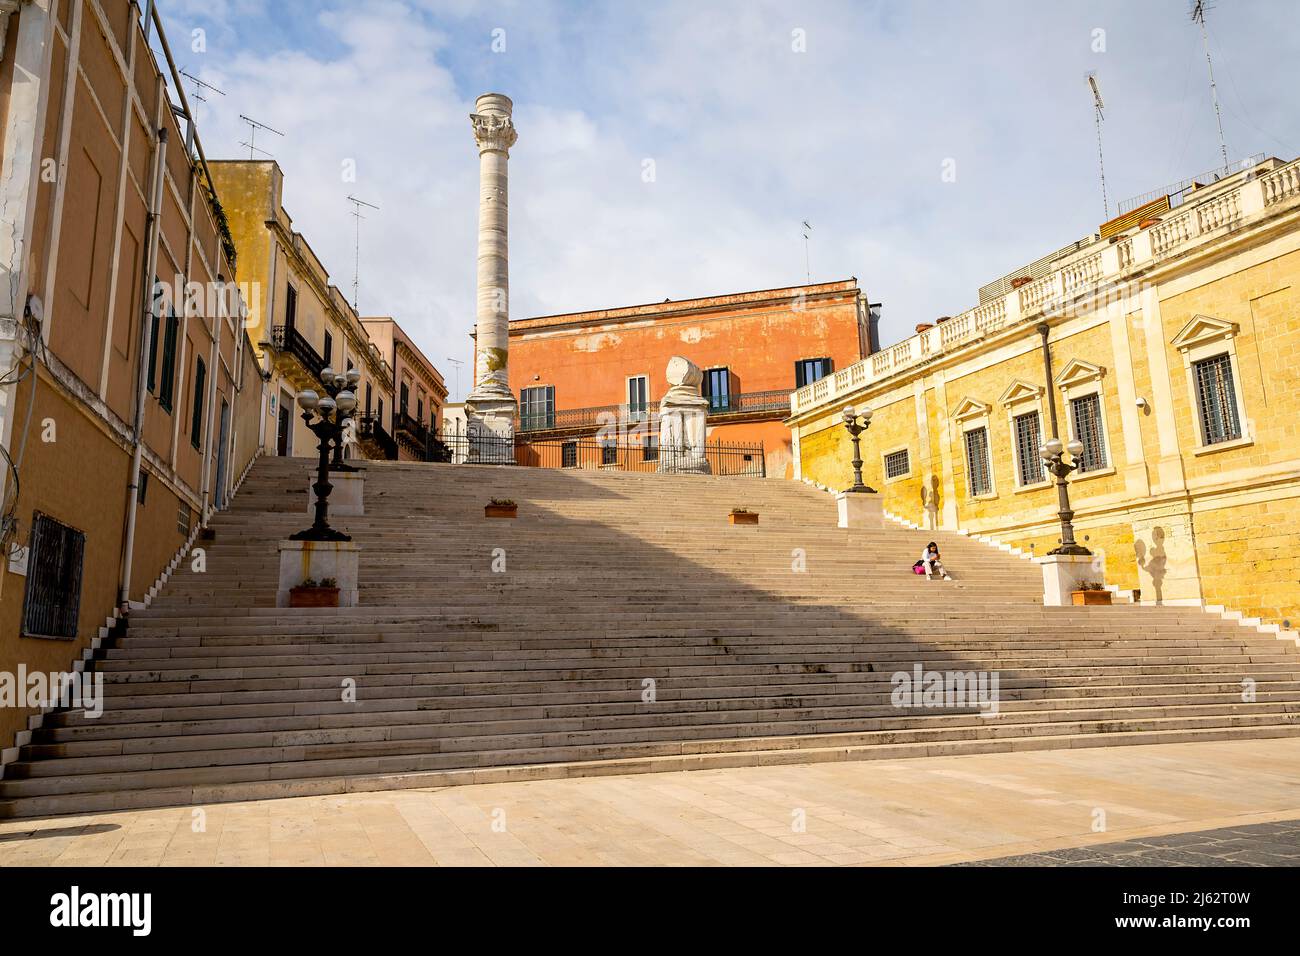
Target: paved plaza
(1206, 803)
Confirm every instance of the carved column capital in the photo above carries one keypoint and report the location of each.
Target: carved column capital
(492, 131)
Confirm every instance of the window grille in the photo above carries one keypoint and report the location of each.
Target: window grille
(977, 461)
(1216, 398)
(1029, 466)
(897, 463)
(52, 598)
(1086, 412)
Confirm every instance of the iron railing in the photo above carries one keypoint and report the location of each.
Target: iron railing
(289, 339)
(598, 416)
(411, 428)
(722, 458)
(370, 428)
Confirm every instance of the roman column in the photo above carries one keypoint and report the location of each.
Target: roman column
(491, 405)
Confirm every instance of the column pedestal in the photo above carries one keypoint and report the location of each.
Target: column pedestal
(316, 561)
(861, 509)
(1062, 575)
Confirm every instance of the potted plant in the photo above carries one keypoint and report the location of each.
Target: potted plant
(315, 594)
(1091, 592)
(500, 508)
(742, 516)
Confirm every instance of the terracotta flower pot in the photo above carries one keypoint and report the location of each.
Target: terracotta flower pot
(1082, 598)
(313, 597)
(743, 517)
(500, 511)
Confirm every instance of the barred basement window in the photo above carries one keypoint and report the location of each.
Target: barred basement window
(608, 453)
(1086, 412)
(897, 464)
(977, 461)
(1029, 466)
(650, 450)
(1216, 398)
(569, 455)
(183, 519)
(53, 596)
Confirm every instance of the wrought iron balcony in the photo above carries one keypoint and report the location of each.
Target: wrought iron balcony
(371, 430)
(289, 341)
(410, 429)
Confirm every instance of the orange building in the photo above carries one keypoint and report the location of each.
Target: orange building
(573, 372)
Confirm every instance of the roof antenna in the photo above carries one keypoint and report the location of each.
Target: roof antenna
(807, 267)
(1101, 161)
(200, 86)
(356, 268)
(1199, 8)
(253, 127)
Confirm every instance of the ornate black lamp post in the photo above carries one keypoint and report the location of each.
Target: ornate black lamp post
(335, 384)
(851, 416)
(325, 417)
(1052, 452)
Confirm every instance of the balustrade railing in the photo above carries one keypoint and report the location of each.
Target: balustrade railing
(1093, 268)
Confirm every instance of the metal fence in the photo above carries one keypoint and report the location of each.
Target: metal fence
(721, 458)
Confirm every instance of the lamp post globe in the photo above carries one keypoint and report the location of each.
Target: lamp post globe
(307, 399)
(345, 401)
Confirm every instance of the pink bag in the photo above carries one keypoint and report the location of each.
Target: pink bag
(919, 568)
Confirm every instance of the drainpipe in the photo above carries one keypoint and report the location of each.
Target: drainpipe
(1043, 329)
(141, 381)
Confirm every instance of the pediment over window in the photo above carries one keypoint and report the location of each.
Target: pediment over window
(1204, 329)
(1020, 391)
(970, 408)
(1079, 372)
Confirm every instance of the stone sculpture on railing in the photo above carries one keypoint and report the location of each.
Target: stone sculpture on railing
(682, 420)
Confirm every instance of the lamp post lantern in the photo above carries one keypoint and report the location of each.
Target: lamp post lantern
(855, 429)
(1052, 452)
(325, 418)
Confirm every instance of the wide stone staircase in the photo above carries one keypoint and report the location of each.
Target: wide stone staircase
(619, 625)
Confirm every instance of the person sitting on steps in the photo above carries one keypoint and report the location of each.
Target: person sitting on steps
(931, 564)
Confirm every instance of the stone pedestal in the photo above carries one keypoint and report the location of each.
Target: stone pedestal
(1062, 574)
(317, 560)
(861, 509)
(347, 496)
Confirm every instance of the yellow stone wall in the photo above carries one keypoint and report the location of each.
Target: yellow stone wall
(1185, 524)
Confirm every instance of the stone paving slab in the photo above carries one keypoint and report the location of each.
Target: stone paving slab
(1229, 802)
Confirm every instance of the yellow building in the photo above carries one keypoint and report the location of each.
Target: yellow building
(1174, 341)
(298, 320)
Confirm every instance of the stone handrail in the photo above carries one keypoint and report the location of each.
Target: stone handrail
(1097, 266)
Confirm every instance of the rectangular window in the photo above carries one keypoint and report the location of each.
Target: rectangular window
(1085, 411)
(897, 463)
(608, 453)
(290, 307)
(155, 311)
(52, 598)
(569, 455)
(167, 377)
(537, 408)
(419, 410)
(1216, 399)
(142, 488)
(1029, 466)
(807, 371)
(329, 348)
(183, 514)
(368, 398)
(650, 448)
(405, 397)
(196, 420)
(638, 401)
(977, 461)
(717, 389)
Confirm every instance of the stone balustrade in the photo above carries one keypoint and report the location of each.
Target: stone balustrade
(1094, 268)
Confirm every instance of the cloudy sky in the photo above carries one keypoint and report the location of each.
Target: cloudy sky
(755, 115)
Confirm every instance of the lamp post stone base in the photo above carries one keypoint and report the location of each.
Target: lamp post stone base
(317, 561)
(861, 509)
(347, 496)
(1062, 574)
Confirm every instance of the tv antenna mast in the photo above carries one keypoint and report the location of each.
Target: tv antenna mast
(200, 86)
(456, 364)
(1098, 108)
(1199, 8)
(253, 127)
(356, 268)
(807, 267)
